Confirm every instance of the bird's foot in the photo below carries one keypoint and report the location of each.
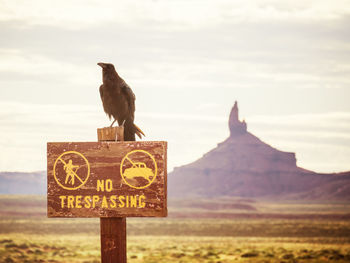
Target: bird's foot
(112, 123)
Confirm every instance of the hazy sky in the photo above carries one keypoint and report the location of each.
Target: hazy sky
(286, 62)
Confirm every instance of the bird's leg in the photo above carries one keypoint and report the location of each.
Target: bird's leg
(113, 122)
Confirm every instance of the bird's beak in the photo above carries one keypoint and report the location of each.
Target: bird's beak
(102, 65)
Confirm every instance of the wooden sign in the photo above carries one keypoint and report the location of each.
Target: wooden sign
(107, 179)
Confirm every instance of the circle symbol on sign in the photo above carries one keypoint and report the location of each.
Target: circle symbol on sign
(138, 169)
(71, 170)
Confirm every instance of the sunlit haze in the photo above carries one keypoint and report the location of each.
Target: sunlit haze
(287, 63)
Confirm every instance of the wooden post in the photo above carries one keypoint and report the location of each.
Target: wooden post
(112, 229)
(110, 134)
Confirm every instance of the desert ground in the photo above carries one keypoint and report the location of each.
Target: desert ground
(221, 230)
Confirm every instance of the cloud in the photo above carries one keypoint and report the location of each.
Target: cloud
(318, 120)
(251, 44)
(180, 14)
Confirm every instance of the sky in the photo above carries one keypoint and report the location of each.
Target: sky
(287, 63)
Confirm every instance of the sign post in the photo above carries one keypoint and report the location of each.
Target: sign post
(110, 179)
(112, 229)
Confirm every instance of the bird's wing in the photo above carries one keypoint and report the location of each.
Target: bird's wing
(130, 97)
(101, 92)
(104, 103)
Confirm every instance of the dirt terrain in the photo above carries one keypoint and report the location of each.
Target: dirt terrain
(252, 231)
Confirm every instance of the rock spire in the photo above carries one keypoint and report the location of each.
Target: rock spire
(236, 126)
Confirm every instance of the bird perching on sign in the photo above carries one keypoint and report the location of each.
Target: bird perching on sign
(118, 101)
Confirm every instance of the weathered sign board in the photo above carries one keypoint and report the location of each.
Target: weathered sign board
(107, 179)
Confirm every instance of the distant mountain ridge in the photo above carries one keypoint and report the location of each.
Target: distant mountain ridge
(23, 183)
(245, 166)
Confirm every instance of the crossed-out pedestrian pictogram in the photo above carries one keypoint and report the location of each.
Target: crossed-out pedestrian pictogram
(66, 170)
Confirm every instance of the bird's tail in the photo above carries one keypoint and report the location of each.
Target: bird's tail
(138, 131)
(130, 129)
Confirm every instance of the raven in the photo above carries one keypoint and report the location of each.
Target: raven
(118, 101)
